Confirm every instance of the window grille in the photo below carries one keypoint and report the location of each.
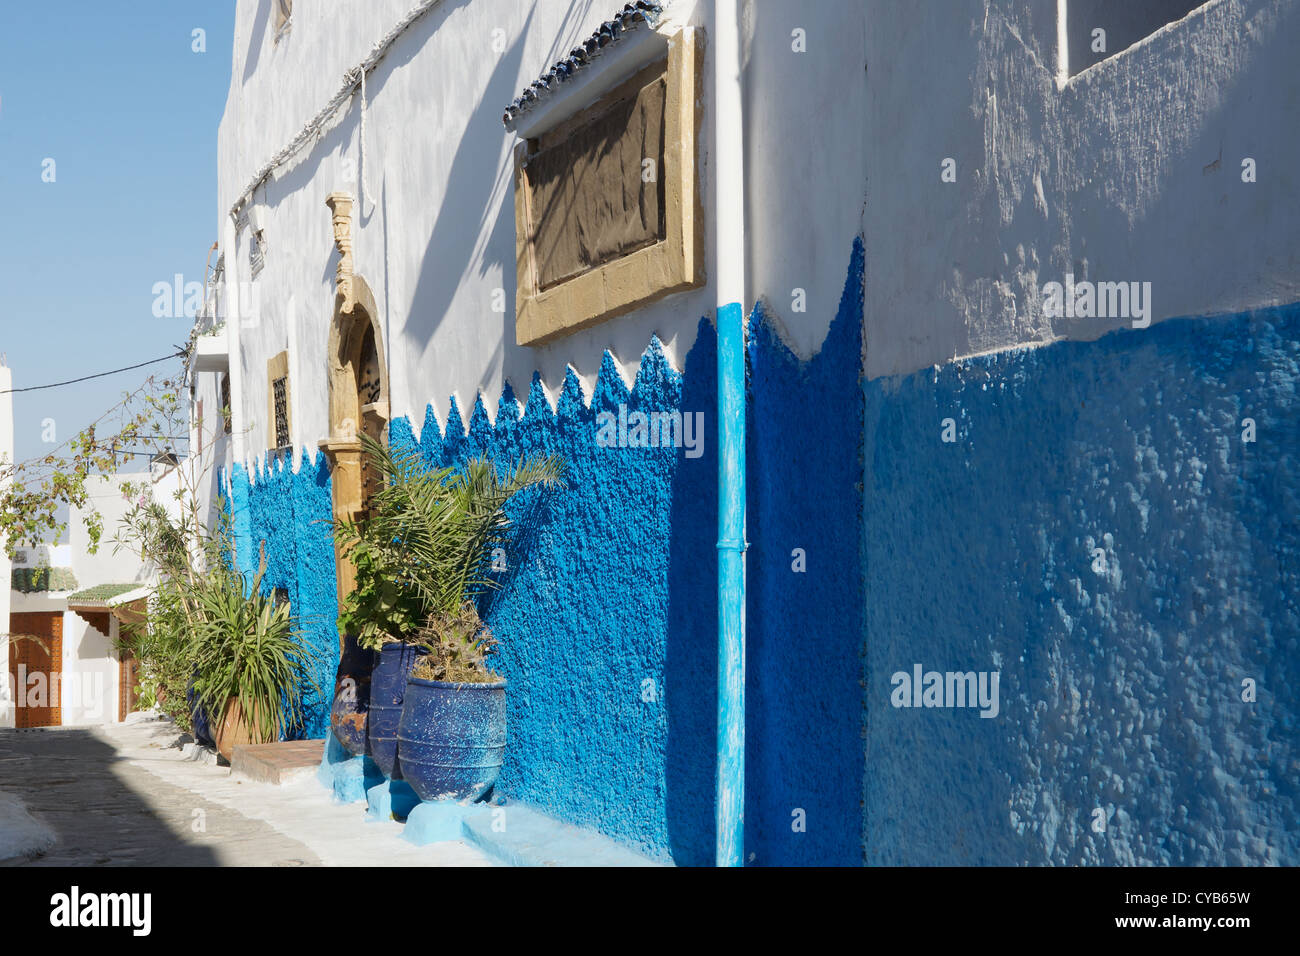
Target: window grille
(280, 391)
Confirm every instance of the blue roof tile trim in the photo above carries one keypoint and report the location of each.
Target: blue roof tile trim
(629, 18)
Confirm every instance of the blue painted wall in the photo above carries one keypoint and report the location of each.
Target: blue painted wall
(586, 611)
(1120, 690)
(291, 512)
(608, 616)
(804, 719)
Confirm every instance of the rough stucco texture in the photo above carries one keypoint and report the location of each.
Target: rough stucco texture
(291, 512)
(607, 614)
(1122, 679)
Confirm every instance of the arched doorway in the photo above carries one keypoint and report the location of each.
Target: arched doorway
(358, 388)
(358, 403)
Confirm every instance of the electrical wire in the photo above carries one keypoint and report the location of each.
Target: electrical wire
(351, 81)
(86, 378)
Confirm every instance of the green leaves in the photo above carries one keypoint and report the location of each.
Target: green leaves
(380, 606)
(424, 548)
(164, 646)
(33, 491)
(245, 647)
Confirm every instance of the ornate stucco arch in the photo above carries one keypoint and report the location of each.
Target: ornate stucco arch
(357, 403)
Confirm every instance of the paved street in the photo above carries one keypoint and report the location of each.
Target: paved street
(128, 796)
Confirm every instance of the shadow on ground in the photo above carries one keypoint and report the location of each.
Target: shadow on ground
(107, 812)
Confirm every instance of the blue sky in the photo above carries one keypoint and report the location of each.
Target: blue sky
(117, 97)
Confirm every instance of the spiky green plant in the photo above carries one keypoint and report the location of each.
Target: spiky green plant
(245, 648)
(425, 547)
(459, 645)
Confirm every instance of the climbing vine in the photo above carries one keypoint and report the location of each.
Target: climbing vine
(34, 492)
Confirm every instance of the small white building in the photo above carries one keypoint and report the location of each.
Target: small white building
(75, 602)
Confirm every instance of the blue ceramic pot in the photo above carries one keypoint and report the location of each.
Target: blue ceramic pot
(349, 717)
(387, 688)
(452, 738)
(199, 717)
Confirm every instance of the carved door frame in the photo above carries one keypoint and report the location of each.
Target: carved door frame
(355, 314)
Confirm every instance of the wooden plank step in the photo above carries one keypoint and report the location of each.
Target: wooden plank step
(279, 762)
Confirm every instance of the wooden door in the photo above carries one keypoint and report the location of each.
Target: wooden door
(128, 697)
(28, 658)
(131, 620)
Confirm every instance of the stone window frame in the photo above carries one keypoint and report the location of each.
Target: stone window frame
(674, 264)
(277, 367)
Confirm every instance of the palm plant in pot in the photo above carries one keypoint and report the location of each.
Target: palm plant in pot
(247, 658)
(424, 553)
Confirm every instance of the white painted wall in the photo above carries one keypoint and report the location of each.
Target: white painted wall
(435, 238)
(1110, 178)
(105, 494)
(89, 691)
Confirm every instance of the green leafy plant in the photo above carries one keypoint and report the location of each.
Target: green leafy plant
(147, 695)
(174, 539)
(424, 549)
(164, 646)
(245, 649)
(380, 606)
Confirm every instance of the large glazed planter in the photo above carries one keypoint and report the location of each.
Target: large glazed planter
(387, 688)
(452, 738)
(234, 729)
(349, 716)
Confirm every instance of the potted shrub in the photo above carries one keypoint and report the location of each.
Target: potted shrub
(453, 728)
(381, 618)
(249, 673)
(378, 612)
(422, 555)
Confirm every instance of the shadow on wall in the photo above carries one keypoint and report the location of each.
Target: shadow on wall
(608, 611)
(1121, 22)
(476, 172)
(1100, 534)
(1122, 215)
(256, 39)
(804, 707)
